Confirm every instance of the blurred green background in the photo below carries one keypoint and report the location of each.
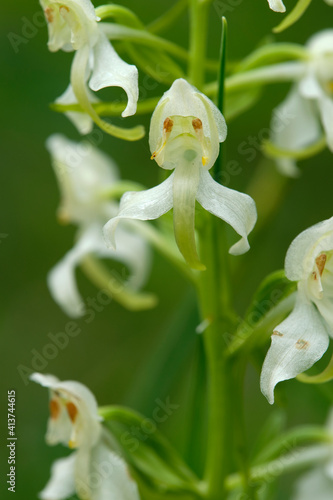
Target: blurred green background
(130, 358)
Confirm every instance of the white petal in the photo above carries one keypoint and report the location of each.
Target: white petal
(237, 209)
(62, 281)
(61, 485)
(295, 124)
(141, 205)
(182, 99)
(314, 484)
(297, 343)
(326, 111)
(81, 121)
(83, 173)
(110, 476)
(321, 42)
(329, 2)
(309, 86)
(306, 247)
(109, 70)
(287, 167)
(277, 5)
(133, 250)
(49, 381)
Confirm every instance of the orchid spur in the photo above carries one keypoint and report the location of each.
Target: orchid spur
(85, 174)
(73, 26)
(303, 337)
(93, 471)
(185, 131)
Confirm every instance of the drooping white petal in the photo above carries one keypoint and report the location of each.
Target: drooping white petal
(277, 5)
(326, 112)
(297, 343)
(133, 251)
(329, 2)
(109, 70)
(82, 121)
(295, 124)
(237, 209)
(301, 255)
(112, 477)
(141, 205)
(62, 281)
(309, 86)
(182, 99)
(61, 484)
(314, 484)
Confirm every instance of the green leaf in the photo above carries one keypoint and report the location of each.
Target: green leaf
(288, 440)
(293, 16)
(272, 53)
(150, 454)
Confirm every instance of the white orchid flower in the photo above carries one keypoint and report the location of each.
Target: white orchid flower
(73, 26)
(84, 175)
(93, 470)
(185, 132)
(307, 112)
(303, 337)
(318, 482)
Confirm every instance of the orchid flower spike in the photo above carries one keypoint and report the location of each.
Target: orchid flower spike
(73, 26)
(93, 470)
(306, 115)
(85, 175)
(185, 131)
(303, 337)
(318, 482)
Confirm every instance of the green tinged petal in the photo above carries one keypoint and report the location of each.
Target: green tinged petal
(185, 186)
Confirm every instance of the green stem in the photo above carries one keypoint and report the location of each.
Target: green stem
(297, 459)
(216, 309)
(117, 32)
(109, 108)
(283, 72)
(198, 41)
(168, 18)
